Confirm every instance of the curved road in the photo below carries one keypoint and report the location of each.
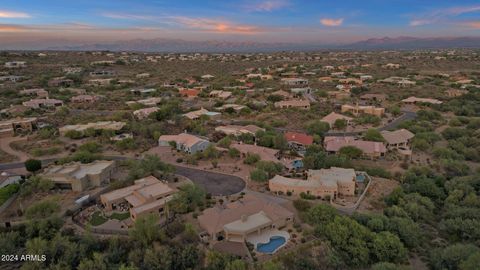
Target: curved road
(217, 184)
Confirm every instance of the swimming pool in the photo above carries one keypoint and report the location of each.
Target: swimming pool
(273, 245)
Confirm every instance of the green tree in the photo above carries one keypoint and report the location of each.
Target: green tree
(158, 259)
(188, 198)
(452, 256)
(97, 263)
(33, 165)
(317, 127)
(471, 263)
(233, 152)
(387, 247)
(42, 209)
(258, 175)
(350, 152)
(236, 265)
(320, 214)
(280, 143)
(373, 135)
(74, 134)
(92, 147)
(251, 158)
(145, 231)
(270, 167)
(340, 124)
(211, 152)
(225, 142)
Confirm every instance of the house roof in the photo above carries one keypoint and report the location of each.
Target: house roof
(237, 130)
(300, 138)
(293, 103)
(124, 192)
(248, 223)
(326, 178)
(333, 116)
(214, 219)
(182, 138)
(424, 100)
(265, 153)
(397, 136)
(333, 144)
(189, 92)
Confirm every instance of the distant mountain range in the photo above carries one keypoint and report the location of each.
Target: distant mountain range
(409, 43)
(178, 45)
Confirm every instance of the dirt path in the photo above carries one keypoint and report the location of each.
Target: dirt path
(5, 146)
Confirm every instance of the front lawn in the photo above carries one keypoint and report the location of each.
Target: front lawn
(120, 216)
(97, 219)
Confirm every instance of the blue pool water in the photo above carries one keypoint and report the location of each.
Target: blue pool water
(272, 246)
(360, 178)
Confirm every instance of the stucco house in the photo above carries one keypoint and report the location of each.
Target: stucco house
(358, 109)
(372, 150)
(184, 142)
(78, 176)
(320, 183)
(236, 221)
(397, 139)
(284, 104)
(147, 195)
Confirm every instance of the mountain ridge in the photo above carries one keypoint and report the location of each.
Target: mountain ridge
(211, 46)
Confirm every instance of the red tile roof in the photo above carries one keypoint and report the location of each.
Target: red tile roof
(189, 92)
(300, 138)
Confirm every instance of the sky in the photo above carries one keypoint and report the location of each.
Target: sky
(292, 21)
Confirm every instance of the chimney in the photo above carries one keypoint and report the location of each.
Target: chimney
(244, 218)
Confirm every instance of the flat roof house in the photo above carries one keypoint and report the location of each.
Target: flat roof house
(220, 94)
(415, 100)
(144, 113)
(153, 101)
(184, 142)
(455, 92)
(356, 110)
(238, 220)
(295, 82)
(85, 99)
(78, 176)
(43, 103)
(198, 113)
(373, 97)
(39, 92)
(15, 64)
(147, 195)
(109, 125)
(302, 104)
(239, 130)
(320, 183)
(12, 126)
(60, 81)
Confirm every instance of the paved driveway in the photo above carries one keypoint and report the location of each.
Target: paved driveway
(216, 184)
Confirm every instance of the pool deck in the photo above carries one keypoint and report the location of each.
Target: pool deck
(265, 236)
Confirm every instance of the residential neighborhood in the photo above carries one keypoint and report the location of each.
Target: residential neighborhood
(280, 159)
